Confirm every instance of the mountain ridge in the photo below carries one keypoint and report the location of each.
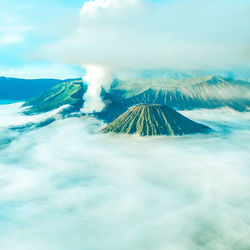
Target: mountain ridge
(22, 89)
(215, 92)
(64, 93)
(203, 92)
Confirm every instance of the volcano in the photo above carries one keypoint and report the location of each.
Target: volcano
(154, 119)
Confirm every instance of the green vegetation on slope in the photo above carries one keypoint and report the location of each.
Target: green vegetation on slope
(152, 119)
(203, 92)
(61, 94)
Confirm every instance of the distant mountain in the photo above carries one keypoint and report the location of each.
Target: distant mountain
(203, 92)
(242, 73)
(132, 87)
(22, 89)
(64, 93)
(206, 92)
(153, 119)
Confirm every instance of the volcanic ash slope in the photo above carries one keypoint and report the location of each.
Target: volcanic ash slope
(154, 119)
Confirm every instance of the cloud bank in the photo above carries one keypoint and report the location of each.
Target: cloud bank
(43, 70)
(64, 186)
(140, 34)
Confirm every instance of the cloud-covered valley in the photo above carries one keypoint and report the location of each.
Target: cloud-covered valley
(67, 186)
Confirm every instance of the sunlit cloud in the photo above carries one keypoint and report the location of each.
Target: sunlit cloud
(42, 70)
(10, 39)
(126, 192)
(145, 35)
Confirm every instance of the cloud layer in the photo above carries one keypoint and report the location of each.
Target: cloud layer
(163, 34)
(65, 187)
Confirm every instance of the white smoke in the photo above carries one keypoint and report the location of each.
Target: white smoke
(97, 78)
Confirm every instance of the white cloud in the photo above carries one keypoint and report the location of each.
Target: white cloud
(42, 70)
(91, 7)
(145, 35)
(11, 34)
(7, 28)
(65, 187)
(8, 39)
(11, 115)
(12, 30)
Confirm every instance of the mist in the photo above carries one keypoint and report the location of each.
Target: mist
(139, 35)
(67, 186)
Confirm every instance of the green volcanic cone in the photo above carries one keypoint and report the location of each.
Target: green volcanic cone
(153, 119)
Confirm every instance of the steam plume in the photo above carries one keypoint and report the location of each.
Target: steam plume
(97, 78)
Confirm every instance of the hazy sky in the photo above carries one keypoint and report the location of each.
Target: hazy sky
(25, 26)
(46, 38)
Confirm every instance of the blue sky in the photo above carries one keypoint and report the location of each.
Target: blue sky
(24, 27)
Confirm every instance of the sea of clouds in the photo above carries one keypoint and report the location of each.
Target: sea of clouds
(67, 186)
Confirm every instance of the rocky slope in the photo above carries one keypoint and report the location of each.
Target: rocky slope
(203, 92)
(153, 119)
